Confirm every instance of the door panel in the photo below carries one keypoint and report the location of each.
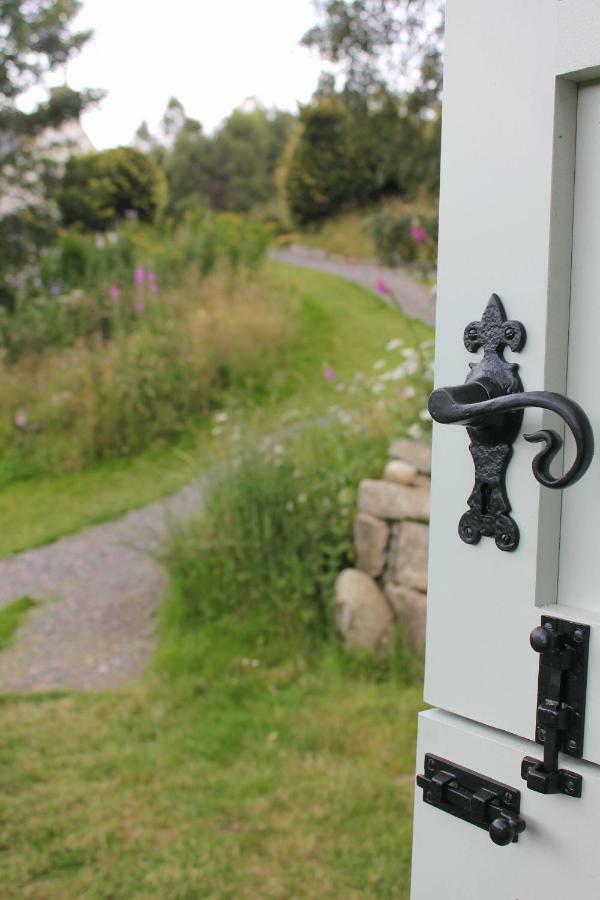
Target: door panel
(579, 581)
(506, 225)
(556, 856)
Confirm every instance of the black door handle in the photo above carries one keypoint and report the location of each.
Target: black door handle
(490, 404)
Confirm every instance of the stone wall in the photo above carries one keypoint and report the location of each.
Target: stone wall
(388, 587)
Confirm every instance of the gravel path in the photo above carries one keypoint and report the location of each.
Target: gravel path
(415, 299)
(100, 588)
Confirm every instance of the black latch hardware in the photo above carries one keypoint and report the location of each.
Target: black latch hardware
(482, 802)
(490, 404)
(563, 647)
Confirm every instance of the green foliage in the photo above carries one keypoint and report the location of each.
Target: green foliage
(320, 170)
(101, 189)
(403, 238)
(37, 38)
(231, 170)
(350, 150)
(80, 282)
(12, 616)
(41, 509)
(375, 42)
(275, 534)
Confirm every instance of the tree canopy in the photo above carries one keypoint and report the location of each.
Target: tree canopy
(374, 43)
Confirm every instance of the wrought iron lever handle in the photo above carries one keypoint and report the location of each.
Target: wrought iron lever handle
(490, 404)
(471, 404)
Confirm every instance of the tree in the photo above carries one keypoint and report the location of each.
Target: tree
(374, 43)
(35, 39)
(101, 189)
(234, 169)
(320, 166)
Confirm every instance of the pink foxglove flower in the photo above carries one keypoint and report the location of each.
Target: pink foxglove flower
(418, 234)
(139, 276)
(382, 288)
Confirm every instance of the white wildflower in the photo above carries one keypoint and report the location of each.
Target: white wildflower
(409, 392)
(377, 388)
(424, 415)
(301, 499)
(394, 344)
(415, 432)
(221, 417)
(380, 364)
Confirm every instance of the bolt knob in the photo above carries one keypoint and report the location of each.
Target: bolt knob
(501, 832)
(541, 639)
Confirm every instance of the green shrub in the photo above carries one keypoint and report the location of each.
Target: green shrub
(402, 239)
(276, 532)
(319, 172)
(101, 189)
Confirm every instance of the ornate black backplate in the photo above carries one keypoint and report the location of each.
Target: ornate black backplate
(492, 438)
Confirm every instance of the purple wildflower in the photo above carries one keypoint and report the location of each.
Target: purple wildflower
(138, 307)
(418, 234)
(114, 292)
(328, 373)
(139, 276)
(382, 288)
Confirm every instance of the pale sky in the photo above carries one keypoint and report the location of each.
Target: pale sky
(211, 54)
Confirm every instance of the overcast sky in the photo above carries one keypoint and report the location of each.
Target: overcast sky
(211, 54)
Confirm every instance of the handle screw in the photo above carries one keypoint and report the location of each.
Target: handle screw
(509, 333)
(572, 745)
(578, 636)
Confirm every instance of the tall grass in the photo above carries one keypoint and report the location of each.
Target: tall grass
(261, 563)
(99, 399)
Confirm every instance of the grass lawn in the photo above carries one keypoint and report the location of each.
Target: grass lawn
(249, 780)
(341, 325)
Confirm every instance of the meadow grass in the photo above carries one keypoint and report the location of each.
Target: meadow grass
(337, 325)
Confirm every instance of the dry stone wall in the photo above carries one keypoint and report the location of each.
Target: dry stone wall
(388, 587)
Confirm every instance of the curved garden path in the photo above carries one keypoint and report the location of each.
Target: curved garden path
(414, 299)
(94, 628)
